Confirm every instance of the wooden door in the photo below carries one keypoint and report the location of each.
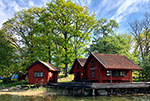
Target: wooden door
(54, 77)
(78, 78)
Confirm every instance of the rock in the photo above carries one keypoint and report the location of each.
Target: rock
(5, 90)
(18, 86)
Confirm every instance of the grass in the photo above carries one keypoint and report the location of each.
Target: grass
(41, 91)
(38, 89)
(69, 78)
(12, 84)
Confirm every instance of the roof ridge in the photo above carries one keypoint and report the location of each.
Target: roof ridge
(98, 59)
(48, 65)
(107, 54)
(80, 58)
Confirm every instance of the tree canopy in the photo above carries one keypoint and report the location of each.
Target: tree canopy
(55, 33)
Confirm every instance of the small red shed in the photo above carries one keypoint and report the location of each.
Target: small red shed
(109, 68)
(41, 73)
(78, 70)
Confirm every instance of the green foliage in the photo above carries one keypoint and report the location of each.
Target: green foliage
(146, 64)
(7, 56)
(113, 44)
(116, 44)
(105, 27)
(106, 41)
(55, 33)
(70, 26)
(140, 29)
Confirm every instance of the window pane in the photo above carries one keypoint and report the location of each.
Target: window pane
(35, 74)
(108, 73)
(118, 73)
(93, 63)
(77, 66)
(115, 73)
(38, 74)
(41, 74)
(122, 73)
(93, 74)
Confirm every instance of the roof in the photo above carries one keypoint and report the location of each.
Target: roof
(81, 61)
(47, 65)
(114, 61)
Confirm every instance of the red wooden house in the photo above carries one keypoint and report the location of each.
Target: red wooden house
(41, 72)
(78, 70)
(109, 68)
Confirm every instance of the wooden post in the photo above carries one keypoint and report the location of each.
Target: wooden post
(110, 76)
(82, 91)
(73, 91)
(93, 92)
(111, 91)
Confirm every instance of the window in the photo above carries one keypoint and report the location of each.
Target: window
(115, 73)
(118, 73)
(78, 76)
(38, 74)
(93, 74)
(41, 74)
(93, 63)
(122, 73)
(35, 74)
(108, 73)
(78, 66)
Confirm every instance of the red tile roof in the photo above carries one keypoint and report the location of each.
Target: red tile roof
(50, 66)
(113, 61)
(47, 65)
(81, 61)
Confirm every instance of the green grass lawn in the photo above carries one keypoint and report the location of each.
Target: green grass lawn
(69, 78)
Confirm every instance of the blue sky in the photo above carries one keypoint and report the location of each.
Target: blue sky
(123, 11)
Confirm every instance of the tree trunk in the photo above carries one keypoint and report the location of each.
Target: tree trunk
(66, 63)
(31, 52)
(66, 54)
(49, 54)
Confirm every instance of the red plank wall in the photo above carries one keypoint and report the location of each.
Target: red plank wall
(39, 68)
(101, 74)
(81, 70)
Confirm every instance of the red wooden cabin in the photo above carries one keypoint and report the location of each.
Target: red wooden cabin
(41, 72)
(109, 68)
(78, 70)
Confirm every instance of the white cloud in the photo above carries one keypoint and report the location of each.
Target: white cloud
(127, 7)
(83, 2)
(88, 2)
(31, 3)
(4, 16)
(45, 1)
(106, 6)
(7, 10)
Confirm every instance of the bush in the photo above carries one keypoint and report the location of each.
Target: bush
(7, 80)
